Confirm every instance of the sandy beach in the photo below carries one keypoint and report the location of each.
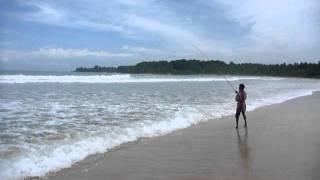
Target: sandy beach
(281, 142)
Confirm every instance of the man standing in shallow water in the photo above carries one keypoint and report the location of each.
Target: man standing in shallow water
(241, 104)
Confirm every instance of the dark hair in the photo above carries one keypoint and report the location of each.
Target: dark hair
(241, 86)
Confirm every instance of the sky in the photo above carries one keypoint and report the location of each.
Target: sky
(60, 35)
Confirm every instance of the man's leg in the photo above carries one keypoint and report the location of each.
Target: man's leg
(237, 118)
(245, 118)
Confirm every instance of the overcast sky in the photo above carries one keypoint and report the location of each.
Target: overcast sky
(63, 34)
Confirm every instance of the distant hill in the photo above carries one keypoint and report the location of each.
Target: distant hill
(184, 66)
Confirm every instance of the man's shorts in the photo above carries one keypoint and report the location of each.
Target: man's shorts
(240, 109)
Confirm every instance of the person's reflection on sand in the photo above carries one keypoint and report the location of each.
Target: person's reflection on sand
(244, 150)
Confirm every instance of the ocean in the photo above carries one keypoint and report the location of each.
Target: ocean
(49, 121)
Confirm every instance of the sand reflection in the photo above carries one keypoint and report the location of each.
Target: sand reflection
(244, 150)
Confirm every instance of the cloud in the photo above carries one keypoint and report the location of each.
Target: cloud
(48, 13)
(58, 53)
(181, 36)
(256, 31)
(290, 26)
(137, 49)
(70, 17)
(131, 19)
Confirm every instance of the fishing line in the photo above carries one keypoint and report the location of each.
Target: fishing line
(225, 78)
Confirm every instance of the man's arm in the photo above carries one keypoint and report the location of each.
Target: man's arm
(237, 98)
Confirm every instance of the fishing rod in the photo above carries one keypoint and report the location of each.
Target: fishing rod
(207, 58)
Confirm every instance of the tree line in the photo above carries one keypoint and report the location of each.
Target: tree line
(183, 66)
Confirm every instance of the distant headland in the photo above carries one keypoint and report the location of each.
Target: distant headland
(183, 66)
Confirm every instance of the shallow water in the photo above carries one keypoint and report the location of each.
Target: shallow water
(49, 122)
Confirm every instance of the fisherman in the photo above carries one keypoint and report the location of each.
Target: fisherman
(241, 104)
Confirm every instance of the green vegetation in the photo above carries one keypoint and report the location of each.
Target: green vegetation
(183, 66)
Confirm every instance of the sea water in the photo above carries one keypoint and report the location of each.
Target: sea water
(49, 121)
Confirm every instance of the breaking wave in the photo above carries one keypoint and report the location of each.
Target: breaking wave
(120, 78)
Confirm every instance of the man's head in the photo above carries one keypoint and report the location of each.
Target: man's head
(241, 87)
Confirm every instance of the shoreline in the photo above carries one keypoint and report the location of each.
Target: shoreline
(94, 164)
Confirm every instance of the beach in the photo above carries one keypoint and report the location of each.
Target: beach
(281, 142)
(148, 90)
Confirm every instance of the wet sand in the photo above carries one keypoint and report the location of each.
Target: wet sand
(282, 141)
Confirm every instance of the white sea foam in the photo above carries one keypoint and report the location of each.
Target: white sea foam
(44, 160)
(120, 78)
(278, 98)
